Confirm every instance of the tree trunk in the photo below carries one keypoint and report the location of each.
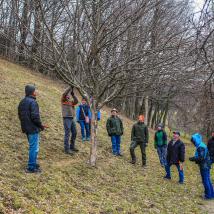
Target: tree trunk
(94, 125)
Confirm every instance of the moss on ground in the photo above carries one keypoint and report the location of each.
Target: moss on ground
(68, 184)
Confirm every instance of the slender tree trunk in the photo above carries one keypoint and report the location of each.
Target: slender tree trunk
(94, 126)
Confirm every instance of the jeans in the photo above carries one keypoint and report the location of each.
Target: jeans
(69, 128)
(208, 187)
(142, 145)
(180, 172)
(33, 140)
(84, 128)
(162, 150)
(116, 140)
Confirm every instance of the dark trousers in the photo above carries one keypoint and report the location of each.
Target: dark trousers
(208, 187)
(142, 145)
(70, 129)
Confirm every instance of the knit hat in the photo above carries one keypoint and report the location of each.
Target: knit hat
(29, 89)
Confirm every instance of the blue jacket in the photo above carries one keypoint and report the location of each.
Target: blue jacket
(28, 111)
(87, 112)
(201, 156)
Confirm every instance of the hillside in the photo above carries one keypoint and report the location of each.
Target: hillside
(68, 184)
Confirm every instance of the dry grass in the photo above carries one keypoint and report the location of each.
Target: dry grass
(68, 184)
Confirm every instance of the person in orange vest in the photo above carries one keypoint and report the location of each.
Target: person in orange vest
(68, 102)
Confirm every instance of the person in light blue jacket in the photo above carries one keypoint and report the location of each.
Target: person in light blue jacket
(202, 158)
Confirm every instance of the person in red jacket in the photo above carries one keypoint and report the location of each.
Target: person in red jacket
(68, 102)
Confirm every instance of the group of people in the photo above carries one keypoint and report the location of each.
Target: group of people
(172, 153)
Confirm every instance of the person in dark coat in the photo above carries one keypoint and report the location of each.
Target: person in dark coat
(210, 146)
(29, 116)
(160, 143)
(202, 158)
(114, 126)
(139, 136)
(68, 102)
(175, 156)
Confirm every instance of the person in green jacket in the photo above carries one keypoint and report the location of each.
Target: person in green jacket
(114, 128)
(139, 136)
(160, 143)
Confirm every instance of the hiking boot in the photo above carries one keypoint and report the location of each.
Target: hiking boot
(87, 139)
(75, 150)
(144, 166)
(180, 182)
(167, 177)
(119, 154)
(37, 166)
(33, 170)
(83, 140)
(133, 161)
(69, 152)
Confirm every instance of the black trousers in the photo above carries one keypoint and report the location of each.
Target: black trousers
(142, 145)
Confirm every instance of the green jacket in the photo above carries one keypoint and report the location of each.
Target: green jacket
(160, 138)
(140, 133)
(114, 126)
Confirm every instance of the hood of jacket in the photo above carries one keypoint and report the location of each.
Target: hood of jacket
(197, 138)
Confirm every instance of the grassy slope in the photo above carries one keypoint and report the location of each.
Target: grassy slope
(68, 184)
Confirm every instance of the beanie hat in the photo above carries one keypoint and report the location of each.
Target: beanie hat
(29, 89)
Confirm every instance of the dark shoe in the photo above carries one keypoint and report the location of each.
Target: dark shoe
(133, 162)
(37, 166)
(120, 155)
(75, 150)
(88, 139)
(69, 152)
(166, 177)
(33, 170)
(180, 182)
(144, 166)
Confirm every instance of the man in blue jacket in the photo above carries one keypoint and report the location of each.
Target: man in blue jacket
(29, 116)
(203, 160)
(175, 156)
(83, 116)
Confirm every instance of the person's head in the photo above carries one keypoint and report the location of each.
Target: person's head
(30, 90)
(84, 101)
(141, 118)
(159, 126)
(176, 135)
(114, 112)
(196, 139)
